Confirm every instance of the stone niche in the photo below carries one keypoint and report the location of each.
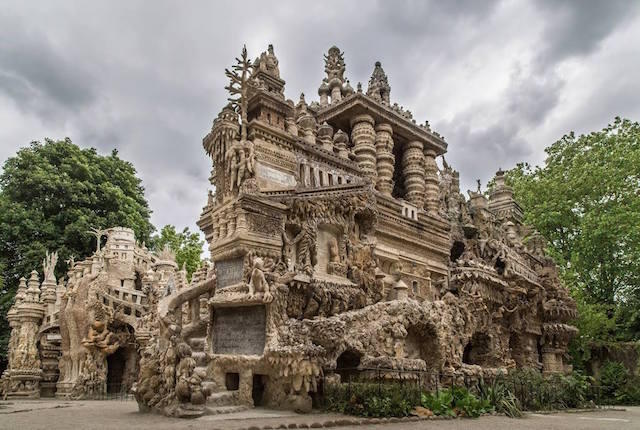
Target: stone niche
(330, 251)
(239, 330)
(229, 272)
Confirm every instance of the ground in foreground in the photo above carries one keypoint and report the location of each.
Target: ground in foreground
(112, 415)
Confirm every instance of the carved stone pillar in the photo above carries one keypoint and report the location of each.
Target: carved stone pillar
(413, 171)
(231, 218)
(222, 222)
(216, 229)
(384, 158)
(241, 220)
(363, 137)
(25, 318)
(432, 189)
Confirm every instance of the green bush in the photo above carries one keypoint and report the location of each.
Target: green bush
(537, 392)
(371, 400)
(617, 385)
(523, 389)
(440, 403)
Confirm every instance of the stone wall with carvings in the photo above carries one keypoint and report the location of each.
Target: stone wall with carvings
(359, 243)
(337, 241)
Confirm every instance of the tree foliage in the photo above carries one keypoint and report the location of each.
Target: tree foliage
(186, 245)
(585, 200)
(51, 194)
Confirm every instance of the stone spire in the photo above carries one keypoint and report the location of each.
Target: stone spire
(21, 294)
(266, 72)
(378, 87)
(33, 290)
(334, 67)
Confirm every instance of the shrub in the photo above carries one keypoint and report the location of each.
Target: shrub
(617, 385)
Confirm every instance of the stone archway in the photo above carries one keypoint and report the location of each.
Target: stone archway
(478, 350)
(116, 364)
(122, 364)
(347, 364)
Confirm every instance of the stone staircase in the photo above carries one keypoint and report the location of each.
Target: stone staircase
(220, 402)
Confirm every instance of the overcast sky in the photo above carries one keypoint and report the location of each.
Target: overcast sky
(500, 80)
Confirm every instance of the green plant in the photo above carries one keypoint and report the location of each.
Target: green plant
(370, 400)
(508, 404)
(440, 403)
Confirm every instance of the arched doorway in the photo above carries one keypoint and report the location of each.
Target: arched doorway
(347, 364)
(478, 350)
(116, 365)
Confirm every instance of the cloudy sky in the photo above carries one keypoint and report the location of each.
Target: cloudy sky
(500, 80)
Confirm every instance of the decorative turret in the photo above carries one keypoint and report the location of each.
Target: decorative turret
(340, 141)
(379, 88)
(324, 92)
(21, 294)
(334, 68)
(267, 73)
(501, 201)
(305, 121)
(33, 288)
(325, 136)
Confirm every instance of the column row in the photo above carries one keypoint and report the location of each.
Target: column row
(373, 148)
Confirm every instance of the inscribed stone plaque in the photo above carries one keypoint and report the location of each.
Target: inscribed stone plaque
(229, 272)
(239, 330)
(273, 176)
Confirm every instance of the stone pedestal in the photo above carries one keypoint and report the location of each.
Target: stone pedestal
(24, 384)
(384, 158)
(413, 171)
(363, 136)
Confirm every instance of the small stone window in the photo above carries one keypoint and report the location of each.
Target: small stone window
(232, 381)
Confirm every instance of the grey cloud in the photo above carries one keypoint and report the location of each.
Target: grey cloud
(148, 80)
(578, 27)
(32, 69)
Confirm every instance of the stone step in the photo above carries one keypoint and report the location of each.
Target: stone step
(200, 358)
(197, 343)
(223, 398)
(218, 410)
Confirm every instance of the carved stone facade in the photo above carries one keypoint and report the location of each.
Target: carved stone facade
(366, 248)
(81, 338)
(336, 242)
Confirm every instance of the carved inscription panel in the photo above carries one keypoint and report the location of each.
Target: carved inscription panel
(270, 178)
(229, 272)
(239, 330)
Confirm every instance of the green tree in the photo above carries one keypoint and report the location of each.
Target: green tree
(186, 245)
(585, 200)
(51, 194)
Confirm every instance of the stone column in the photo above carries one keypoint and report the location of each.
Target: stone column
(25, 318)
(363, 137)
(222, 222)
(413, 171)
(384, 158)
(432, 189)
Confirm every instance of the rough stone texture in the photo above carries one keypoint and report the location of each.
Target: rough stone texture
(370, 258)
